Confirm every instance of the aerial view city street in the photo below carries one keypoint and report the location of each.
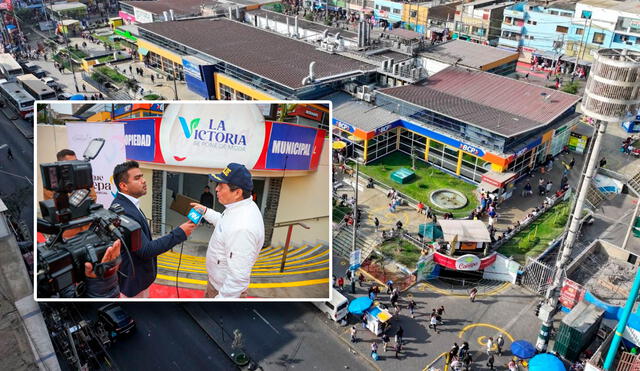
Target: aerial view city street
(482, 160)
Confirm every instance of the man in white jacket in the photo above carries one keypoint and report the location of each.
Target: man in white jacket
(238, 235)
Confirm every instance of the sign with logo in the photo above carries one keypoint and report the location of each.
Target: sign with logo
(211, 136)
(126, 17)
(528, 147)
(305, 111)
(468, 262)
(571, 293)
(113, 152)
(443, 139)
(425, 267)
(344, 126)
(140, 139)
(354, 260)
(387, 127)
(291, 147)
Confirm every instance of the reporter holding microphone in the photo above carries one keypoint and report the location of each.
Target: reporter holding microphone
(238, 236)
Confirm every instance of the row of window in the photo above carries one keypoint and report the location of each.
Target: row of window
(229, 93)
(388, 9)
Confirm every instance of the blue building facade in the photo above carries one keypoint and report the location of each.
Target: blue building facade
(391, 11)
(534, 29)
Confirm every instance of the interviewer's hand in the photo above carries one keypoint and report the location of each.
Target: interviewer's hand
(112, 253)
(199, 208)
(188, 227)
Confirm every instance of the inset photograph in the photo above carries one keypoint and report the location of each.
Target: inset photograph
(182, 200)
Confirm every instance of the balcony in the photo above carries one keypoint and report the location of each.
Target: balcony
(512, 27)
(513, 13)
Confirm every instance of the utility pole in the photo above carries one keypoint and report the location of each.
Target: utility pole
(604, 103)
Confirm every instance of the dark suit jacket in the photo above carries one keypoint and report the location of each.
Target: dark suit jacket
(144, 260)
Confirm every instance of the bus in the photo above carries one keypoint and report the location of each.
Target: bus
(18, 99)
(35, 87)
(9, 68)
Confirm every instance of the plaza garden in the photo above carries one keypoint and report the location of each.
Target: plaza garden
(427, 179)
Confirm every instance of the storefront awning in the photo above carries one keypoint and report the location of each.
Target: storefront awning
(143, 51)
(496, 179)
(487, 186)
(465, 230)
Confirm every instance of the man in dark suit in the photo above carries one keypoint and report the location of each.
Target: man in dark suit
(138, 272)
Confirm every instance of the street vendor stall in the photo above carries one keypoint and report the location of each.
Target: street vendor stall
(378, 319)
(499, 183)
(465, 235)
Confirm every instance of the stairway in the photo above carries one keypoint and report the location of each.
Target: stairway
(594, 196)
(343, 243)
(634, 183)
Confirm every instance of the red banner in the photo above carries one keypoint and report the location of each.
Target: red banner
(571, 293)
(450, 262)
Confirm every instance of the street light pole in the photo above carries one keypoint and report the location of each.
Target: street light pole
(355, 222)
(175, 86)
(73, 71)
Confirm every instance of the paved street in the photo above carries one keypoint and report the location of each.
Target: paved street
(17, 172)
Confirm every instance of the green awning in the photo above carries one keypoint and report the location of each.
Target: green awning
(143, 51)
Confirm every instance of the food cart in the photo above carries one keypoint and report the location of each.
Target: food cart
(377, 319)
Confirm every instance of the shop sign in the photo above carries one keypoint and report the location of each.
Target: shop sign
(344, 126)
(528, 147)
(126, 16)
(142, 16)
(387, 127)
(444, 139)
(468, 262)
(211, 136)
(311, 113)
(571, 293)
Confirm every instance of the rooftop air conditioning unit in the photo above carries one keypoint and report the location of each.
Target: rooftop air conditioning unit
(367, 97)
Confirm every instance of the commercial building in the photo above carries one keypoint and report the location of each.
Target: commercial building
(419, 15)
(388, 11)
(480, 21)
(463, 121)
(466, 54)
(238, 61)
(158, 10)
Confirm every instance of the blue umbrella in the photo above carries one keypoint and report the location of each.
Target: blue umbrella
(359, 305)
(10, 27)
(77, 97)
(523, 349)
(546, 362)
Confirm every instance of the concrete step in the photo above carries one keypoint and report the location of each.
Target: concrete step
(634, 183)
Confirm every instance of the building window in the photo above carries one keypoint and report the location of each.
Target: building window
(564, 14)
(385, 8)
(413, 14)
(562, 29)
(554, 12)
(226, 93)
(532, 22)
(507, 20)
(396, 11)
(598, 38)
(579, 31)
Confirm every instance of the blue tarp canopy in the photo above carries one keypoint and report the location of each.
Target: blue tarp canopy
(546, 362)
(430, 231)
(77, 97)
(523, 349)
(359, 305)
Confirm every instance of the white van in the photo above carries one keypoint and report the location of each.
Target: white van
(336, 309)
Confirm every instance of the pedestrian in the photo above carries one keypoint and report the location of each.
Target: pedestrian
(463, 350)
(541, 187)
(434, 323)
(396, 310)
(527, 190)
(512, 365)
(472, 294)
(333, 280)
(467, 360)
(341, 283)
(393, 299)
(549, 186)
(603, 162)
(399, 334)
(385, 342)
(353, 334)
(361, 279)
(348, 274)
(489, 345)
(152, 78)
(364, 321)
(130, 69)
(389, 287)
(454, 351)
(572, 163)
(412, 307)
(9, 154)
(374, 350)
(499, 344)
(376, 223)
(84, 87)
(490, 361)
(440, 311)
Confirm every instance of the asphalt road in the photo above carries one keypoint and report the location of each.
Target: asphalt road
(166, 338)
(280, 336)
(16, 174)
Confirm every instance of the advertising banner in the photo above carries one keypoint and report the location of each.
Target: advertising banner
(503, 269)
(142, 16)
(290, 146)
(113, 153)
(468, 262)
(140, 139)
(571, 293)
(354, 260)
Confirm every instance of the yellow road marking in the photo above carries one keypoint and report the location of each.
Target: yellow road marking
(473, 325)
(174, 262)
(292, 253)
(275, 267)
(489, 293)
(251, 285)
(275, 272)
(483, 343)
(426, 368)
(295, 260)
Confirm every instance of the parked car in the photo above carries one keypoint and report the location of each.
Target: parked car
(50, 83)
(33, 69)
(116, 320)
(64, 96)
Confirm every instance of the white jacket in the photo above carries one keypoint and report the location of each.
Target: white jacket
(234, 246)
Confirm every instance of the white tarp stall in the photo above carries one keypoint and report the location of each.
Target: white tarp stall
(465, 234)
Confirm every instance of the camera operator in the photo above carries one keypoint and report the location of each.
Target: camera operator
(139, 271)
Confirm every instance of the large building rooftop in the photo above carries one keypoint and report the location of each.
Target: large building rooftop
(466, 53)
(272, 56)
(499, 104)
(623, 6)
(182, 7)
(302, 23)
